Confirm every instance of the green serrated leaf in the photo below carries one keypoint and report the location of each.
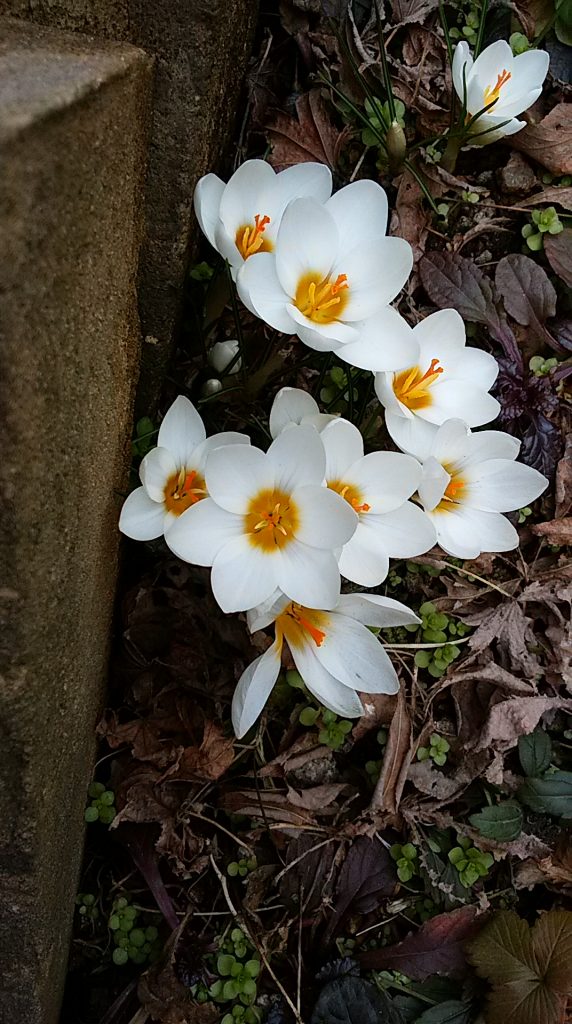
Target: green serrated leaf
(551, 794)
(502, 822)
(535, 752)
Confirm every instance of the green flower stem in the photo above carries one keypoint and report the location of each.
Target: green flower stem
(449, 159)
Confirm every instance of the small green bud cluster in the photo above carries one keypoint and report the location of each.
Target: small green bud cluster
(87, 909)
(102, 804)
(406, 859)
(470, 197)
(333, 730)
(470, 862)
(436, 751)
(373, 768)
(523, 514)
(543, 221)
(541, 367)
(437, 628)
(240, 868)
(518, 43)
(132, 942)
(237, 976)
(385, 979)
(379, 117)
(469, 28)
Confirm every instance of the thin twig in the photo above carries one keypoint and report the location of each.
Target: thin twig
(241, 922)
(240, 842)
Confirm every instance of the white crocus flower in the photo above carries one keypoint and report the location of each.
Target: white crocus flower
(377, 487)
(173, 473)
(334, 651)
(512, 84)
(222, 354)
(331, 277)
(293, 406)
(242, 217)
(468, 481)
(268, 523)
(448, 380)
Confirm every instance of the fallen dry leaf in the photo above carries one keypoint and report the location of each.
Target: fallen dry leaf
(563, 485)
(558, 249)
(558, 531)
(436, 948)
(312, 137)
(368, 875)
(396, 760)
(550, 141)
(516, 717)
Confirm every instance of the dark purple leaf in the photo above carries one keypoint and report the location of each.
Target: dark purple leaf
(562, 332)
(541, 445)
(451, 281)
(558, 249)
(368, 875)
(522, 395)
(352, 1000)
(527, 293)
(436, 948)
(139, 840)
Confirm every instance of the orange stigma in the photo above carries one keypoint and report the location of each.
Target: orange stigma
(182, 490)
(412, 388)
(492, 94)
(297, 623)
(318, 635)
(350, 494)
(250, 238)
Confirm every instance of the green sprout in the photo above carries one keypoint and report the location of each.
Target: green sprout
(406, 860)
(523, 514)
(338, 390)
(334, 731)
(519, 43)
(469, 29)
(543, 221)
(145, 437)
(470, 862)
(236, 980)
(87, 908)
(133, 942)
(470, 197)
(436, 751)
(101, 806)
(437, 628)
(379, 116)
(241, 868)
(542, 367)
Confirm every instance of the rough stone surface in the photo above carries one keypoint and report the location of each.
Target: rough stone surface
(201, 49)
(73, 118)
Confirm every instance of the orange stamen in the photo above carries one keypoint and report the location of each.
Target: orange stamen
(318, 636)
(360, 508)
(412, 388)
(492, 94)
(249, 237)
(454, 487)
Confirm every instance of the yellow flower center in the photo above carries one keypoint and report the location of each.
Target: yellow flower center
(182, 490)
(272, 520)
(412, 387)
(453, 495)
(250, 237)
(298, 624)
(492, 93)
(350, 494)
(322, 299)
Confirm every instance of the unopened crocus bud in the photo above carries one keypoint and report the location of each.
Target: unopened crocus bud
(222, 354)
(211, 387)
(396, 146)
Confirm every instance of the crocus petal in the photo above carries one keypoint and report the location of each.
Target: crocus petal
(182, 430)
(343, 445)
(376, 273)
(385, 479)
(453, 398)
(450, 441)
(326, 520)
(352, 653)
(203, 451)
(263, 614)
(141, 518)
(223, 353)
(240, 201)
(262, 293)
(202, 531)
(407, 531)
(494, 58)
(360, 207)
(465, 532)
(254, 688)
(207, 197)
(243, 575)
(483, 131)
(376, 610)
(235, 474)
(327, 689)
(322, 337)
(461, 59)
(531, 67)
(444, 326)
(297, 457)
(488, 444)
(307, 242)
(158, 466)
(386, 342)
(291, 405)
(363, 559)
(479, 367)
(308, 575)
(384, 390)
(434, 482)
(413, 435)
(501, 486)
(306, 180)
